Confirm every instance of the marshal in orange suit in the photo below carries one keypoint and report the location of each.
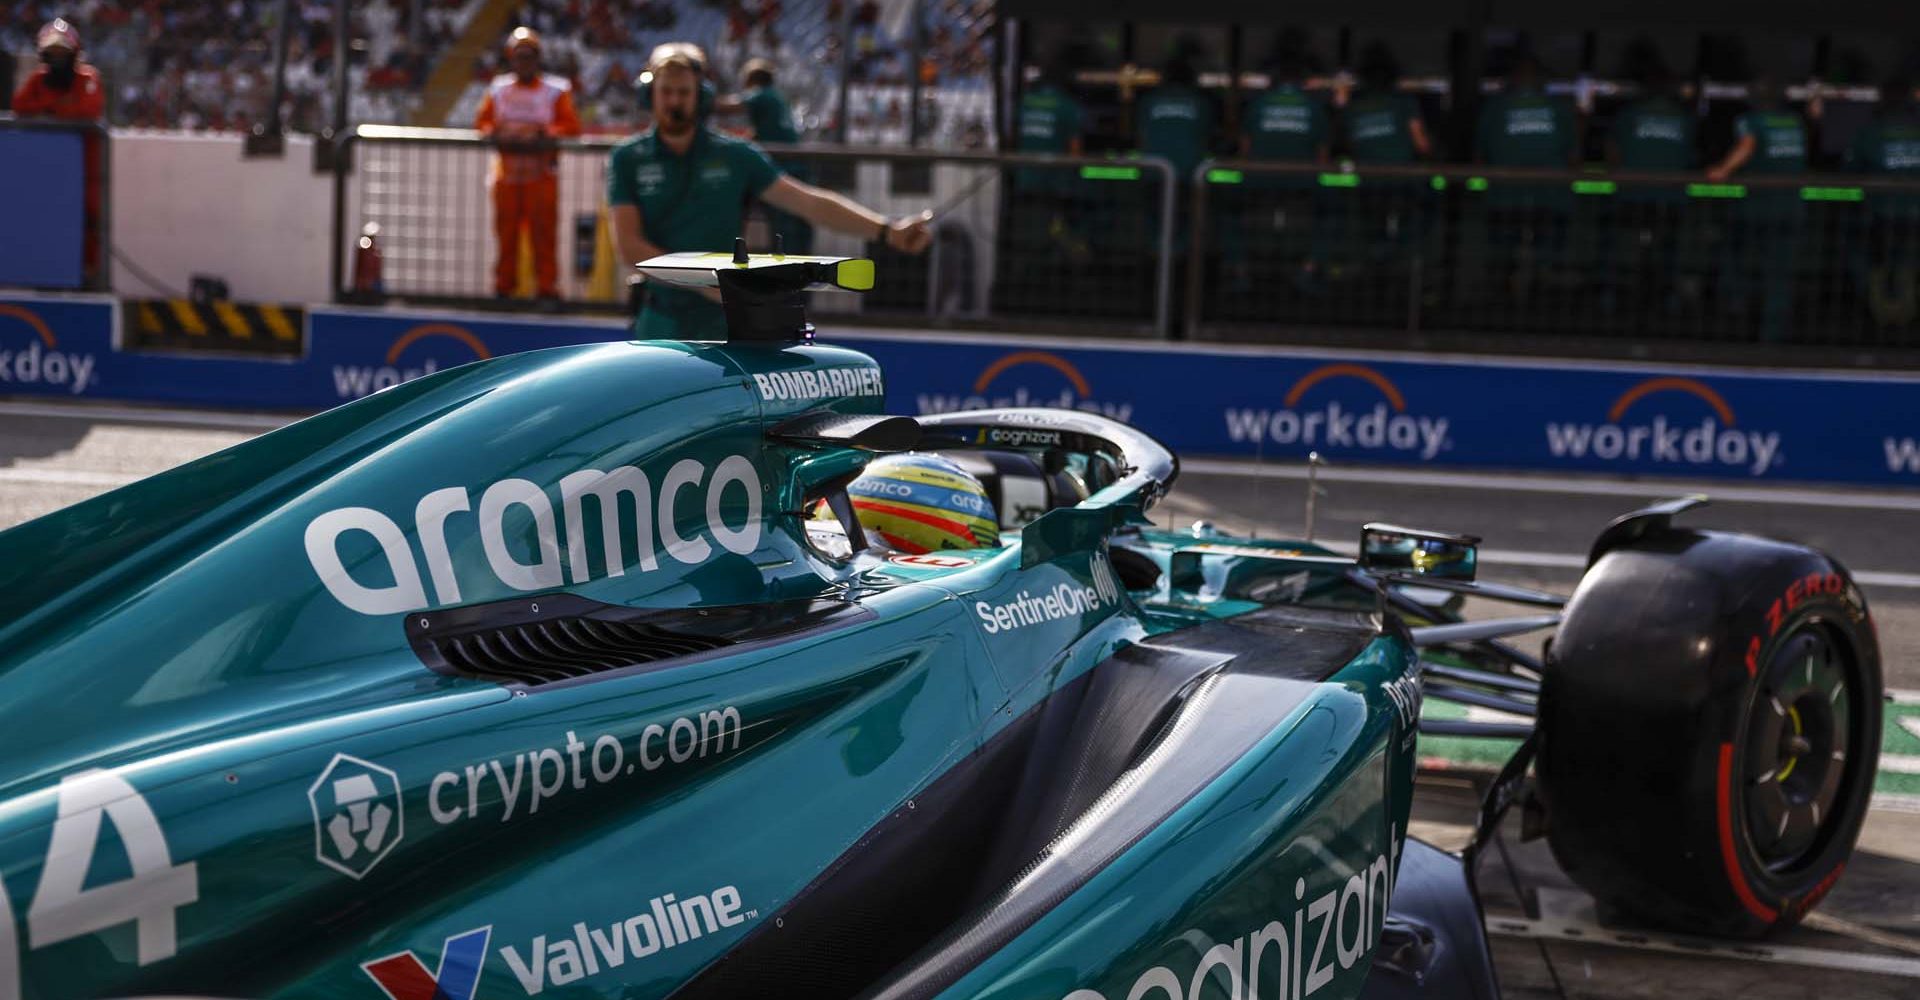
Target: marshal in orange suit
(522, 109)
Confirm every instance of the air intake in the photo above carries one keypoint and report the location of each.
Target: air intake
(560, 637)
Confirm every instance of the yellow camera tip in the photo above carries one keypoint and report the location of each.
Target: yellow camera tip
(854, 275)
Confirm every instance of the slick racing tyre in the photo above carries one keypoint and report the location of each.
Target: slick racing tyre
(1710, 726)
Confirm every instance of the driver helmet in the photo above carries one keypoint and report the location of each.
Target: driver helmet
(919, 503)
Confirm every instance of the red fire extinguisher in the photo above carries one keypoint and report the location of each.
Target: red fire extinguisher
(367, 280)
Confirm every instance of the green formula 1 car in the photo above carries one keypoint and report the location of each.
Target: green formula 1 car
(539, 677)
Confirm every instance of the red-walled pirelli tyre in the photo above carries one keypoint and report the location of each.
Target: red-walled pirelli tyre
(1709, 725)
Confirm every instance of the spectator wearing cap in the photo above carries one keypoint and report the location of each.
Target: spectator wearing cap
(68, 89)
(770, 118)
(524, 111)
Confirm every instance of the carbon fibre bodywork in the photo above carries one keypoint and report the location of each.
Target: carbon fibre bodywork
(526, 679)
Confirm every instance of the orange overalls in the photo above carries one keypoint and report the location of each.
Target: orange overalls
(526, 189)
(83, 101)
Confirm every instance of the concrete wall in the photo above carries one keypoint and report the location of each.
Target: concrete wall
(186, 204)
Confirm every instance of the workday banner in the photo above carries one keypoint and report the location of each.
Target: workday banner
(1548, 415)
(1201, 400)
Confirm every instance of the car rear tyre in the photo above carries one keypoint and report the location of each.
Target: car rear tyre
(1710, 726)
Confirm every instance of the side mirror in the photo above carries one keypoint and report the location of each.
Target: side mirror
(1386, 549)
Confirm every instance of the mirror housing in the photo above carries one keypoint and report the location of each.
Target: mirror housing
(1387, 549)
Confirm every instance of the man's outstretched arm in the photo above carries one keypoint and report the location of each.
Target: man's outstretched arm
(837, 212)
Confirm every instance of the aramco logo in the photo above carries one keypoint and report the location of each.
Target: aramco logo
(34, 361)
(422, 350)
(1683, 421)
(1345, 407)
(1026, 378)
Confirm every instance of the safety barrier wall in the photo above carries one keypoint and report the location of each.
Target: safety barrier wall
(1243, 402)
(1019, 240)
(1630, 257)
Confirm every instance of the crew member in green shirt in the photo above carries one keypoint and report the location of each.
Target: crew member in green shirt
(681, 186)
(1275, 217)
(1286, 123)
(1050, 122)
(1175, 120)
(1889, 147)
(1527, 219)
(1770, 140)
(770, 119)
(1653, 134)
(1383, 126)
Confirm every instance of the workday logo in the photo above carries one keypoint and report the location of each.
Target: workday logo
(422, 350)
(1027, 378)
(1346, 406)
(1690, 425)
(30, 355)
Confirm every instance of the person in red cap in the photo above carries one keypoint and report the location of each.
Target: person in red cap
(522, 110)
(66, 88)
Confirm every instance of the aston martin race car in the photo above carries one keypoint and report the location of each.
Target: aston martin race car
(539, 676)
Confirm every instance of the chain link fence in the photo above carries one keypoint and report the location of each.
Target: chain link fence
(1021, 242)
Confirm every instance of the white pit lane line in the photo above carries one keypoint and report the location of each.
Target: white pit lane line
(1568, 917)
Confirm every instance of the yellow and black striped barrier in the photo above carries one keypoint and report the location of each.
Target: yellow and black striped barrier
(217, 325)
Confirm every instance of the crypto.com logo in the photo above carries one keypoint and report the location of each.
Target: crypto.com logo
(1339, 423)
(1715, 440)
(356, 815)
(1027, 378)
(354, 381)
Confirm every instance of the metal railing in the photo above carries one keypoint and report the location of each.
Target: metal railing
(1804, 260)
(94, 164)
(1078, 244)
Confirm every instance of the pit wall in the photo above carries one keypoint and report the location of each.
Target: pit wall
(1539, 415)
(176, 197)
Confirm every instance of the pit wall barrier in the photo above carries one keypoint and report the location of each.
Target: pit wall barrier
(1544, 416)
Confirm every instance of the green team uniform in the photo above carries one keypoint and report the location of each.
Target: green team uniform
(1284, 124)
(1780, 142)
(1780, 147)
(1380, 129)
(1656, 134)
(1175, 123)
(1890, 145)
(1050, 119)
(772, 121)
(768, 113)
(1526, 128)
(694, 201)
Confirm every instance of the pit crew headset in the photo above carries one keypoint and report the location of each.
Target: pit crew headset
(643, 84)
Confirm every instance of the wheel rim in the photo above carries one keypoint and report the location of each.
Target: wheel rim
(1799, 736)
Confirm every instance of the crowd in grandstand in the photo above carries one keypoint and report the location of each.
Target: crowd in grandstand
(209, 66)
